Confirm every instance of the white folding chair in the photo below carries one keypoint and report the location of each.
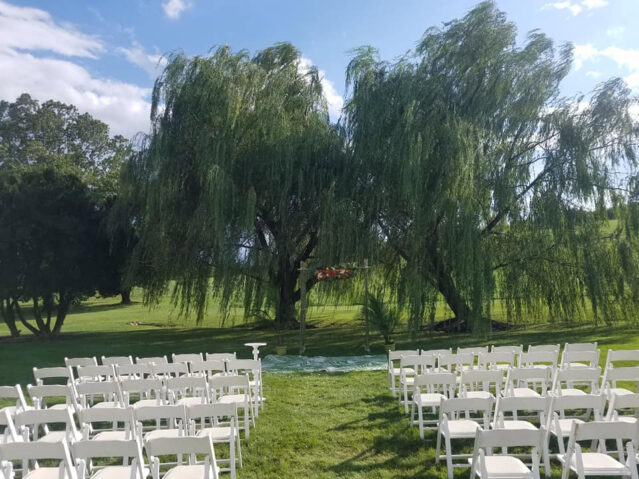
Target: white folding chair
(234, 390)
(169, 370)
(393, 367)
(183, 446)
(527, 382)
(409, 366)
(108, 392)
(62, 375)
(94, 373)
(629, 374)
(149, 392)
(85, 451)
(13, 393)
(600, 462)
(476, 350)
(8, 431)
(456, 362)
(253, 369)
(209, 368)
(42, 396)
(93, 423)
(487, 465)
(580, 347)
(622, 355)
(152, 360)
(453, 426)
(515, 349)
(539, 359)
(29, 453)
(430, 389)
(220, 356)
(565, 381)
(167, 421)
(133, 371)
(186, 358)
(436, 352)
(480, 383)
(219, 422)
(28, 424)
(187, 390)
(533, 348)
(619, 404)
(116, 360)
(580, 359)
(564, 411)
(499, 360)
(73, 363)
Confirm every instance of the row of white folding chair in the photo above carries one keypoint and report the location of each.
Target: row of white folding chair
(124, 360)
(220, 421)
(77, 461)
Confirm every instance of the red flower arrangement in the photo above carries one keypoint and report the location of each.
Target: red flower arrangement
(334, 272)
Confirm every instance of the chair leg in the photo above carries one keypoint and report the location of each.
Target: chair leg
(405, 398)
(420, 419)
(438, 446)
(449, 459)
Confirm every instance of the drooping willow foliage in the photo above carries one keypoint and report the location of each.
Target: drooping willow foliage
(231, 185)
(485, 183)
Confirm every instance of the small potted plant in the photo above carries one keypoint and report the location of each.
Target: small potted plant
(384, 319)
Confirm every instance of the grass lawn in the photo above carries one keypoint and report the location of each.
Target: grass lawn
(314, 425)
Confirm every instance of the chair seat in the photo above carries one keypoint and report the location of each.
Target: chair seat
(233, 398)
(619, 391)
(630, 419)
(504, 467)
(398, 371)
(111, 436)
(119, 472)
(146, 403)
(571, 392)
(192, 401)
(106, 404)
(430, 399)
(163, 433)
(461, 428)
(409, 380)
(187, 472)
(578, 365)
(518, 424)
(525, 393)
(217, 433)
(597, 463)
(44, 473)
(58, 406)
(478, 394)
(565, 426)
(54, 436)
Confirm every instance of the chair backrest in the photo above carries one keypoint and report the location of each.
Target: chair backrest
(537, 378)
(515, 349)
(75, 362)
(169, 370)
(95, 373)
(116, 360)
(187, 358)
(187, 386)
(492, 359)
(605, 430)
(105, 415)
(437, 352)
(498, 438)
(590, 402)
(108, 390)
(480, 380)
(172, 414)
(442, 383)
(34, 417)
(244, 365)
(476, 351)
(220, 384)
(626, 373)
(220, 356)
(580, 346)
(455, 361)
(86, 450)
(583, 376)
(10, 432)
(151, 360)
(581, 357)
(40, 394)
(208, 367)
(14, 392)
(622, 401)
(39, 451)
(539, 358)
(418, 363)
(213, 412)
(508, 407)
(151, 388)
(64, 373)
(181, 445)
(133, 371)
(452, 407)
(532, 348)
(622, 355)
(396, 355)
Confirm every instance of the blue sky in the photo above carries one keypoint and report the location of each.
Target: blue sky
(103, 55)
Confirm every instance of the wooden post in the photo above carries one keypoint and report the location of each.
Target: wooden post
(367, 346)
(303, 271)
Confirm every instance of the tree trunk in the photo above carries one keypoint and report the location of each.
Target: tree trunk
(286, 316)
(18, 310)
(8, 315)
(64, 304)
(126, 296)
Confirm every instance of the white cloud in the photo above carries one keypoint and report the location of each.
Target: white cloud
(583, 53)
(174, 8)
(593, 74)
(625, 58)
(576, 7)
(33, 29)
(28, 35)
(334, 100)
(616, 32)
(152, 63)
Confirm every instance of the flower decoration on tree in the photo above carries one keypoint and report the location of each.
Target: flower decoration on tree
(333, 272)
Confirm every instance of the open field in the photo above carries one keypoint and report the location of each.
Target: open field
(315, 425)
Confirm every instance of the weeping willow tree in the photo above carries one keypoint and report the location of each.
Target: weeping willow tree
(486, 183)
(230, 185)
